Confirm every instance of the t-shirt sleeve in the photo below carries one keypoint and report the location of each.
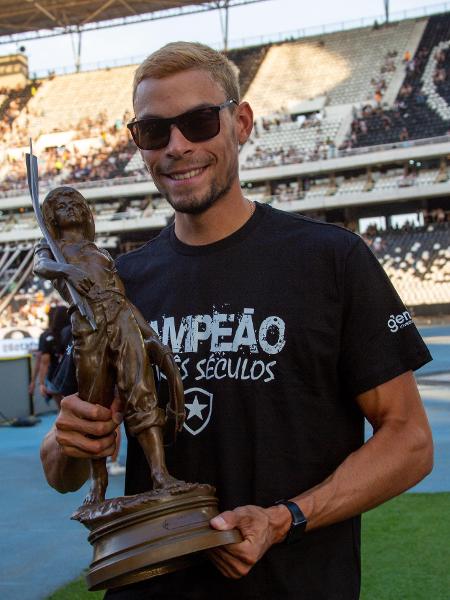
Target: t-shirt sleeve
(65, 379)
(46, 343)
(41, 342)
(379, 338)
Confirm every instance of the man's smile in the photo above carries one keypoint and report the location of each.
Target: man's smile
(187, 175)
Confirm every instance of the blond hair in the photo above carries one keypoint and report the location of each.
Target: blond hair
(181, 56)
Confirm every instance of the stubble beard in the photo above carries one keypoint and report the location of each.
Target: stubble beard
(196, 205)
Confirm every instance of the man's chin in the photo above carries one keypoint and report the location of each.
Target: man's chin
(192, 206)
(195, 205)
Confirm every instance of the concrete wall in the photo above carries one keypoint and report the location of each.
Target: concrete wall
(14, 378)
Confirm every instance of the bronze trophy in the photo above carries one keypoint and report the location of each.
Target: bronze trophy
(165, 529)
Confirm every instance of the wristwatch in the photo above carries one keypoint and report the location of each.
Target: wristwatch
(298, 524)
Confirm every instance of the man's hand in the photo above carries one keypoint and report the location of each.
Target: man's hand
(84, 430)
(81, 431)
(260, 529)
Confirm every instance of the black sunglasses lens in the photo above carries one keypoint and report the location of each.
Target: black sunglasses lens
(200, 125)
(196, 126)
(151, 134)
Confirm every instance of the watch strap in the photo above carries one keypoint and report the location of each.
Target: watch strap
(299, 521)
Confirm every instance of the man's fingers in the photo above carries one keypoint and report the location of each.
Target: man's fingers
(227, 564)
(239, 552)
(236, 560)
(220, 564)
(85, 430)
(76, 444)
(84, 410)
(225, 521)
(85, 426)
(77, 453)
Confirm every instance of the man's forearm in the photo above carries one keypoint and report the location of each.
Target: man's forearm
(385, 466)
(63, 473)
(43, 367)
(36, 367)
(392, 461)
(398, 455)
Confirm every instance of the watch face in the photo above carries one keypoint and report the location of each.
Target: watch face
(299, 521)
(296, 531)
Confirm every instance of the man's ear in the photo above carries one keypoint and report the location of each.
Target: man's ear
(244, 122)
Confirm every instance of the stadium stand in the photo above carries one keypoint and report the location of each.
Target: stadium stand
(76, 146)
(62, 102)
(78, 124)
(340, 65)
(284, 141)
(247, 61)
(335, 69)
(417, 263)
(322, 104)
(18, 288)
(421, 108)
(71, 157)
(352, 185)
(342, 72)
(12, 101)
(360, 184)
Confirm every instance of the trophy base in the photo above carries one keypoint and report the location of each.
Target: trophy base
(140, 537)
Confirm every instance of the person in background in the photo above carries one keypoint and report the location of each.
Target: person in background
(34, 372)
(50, 350)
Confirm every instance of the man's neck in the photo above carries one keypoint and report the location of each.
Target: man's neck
(218, 222)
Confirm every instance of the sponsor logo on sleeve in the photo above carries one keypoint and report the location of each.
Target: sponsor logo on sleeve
(400, 321)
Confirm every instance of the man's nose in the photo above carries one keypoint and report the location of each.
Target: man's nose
(178, 145)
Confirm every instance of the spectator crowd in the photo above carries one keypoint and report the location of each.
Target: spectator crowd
(72, 163)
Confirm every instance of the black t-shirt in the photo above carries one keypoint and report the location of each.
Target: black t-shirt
(276, 329)
(48, 344)
(64, 378)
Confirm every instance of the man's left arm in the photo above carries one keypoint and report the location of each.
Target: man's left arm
(44, 365)
(396, 457)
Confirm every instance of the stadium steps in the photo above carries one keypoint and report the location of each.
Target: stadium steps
(135, 163)
(421, 118)
(340, 65)
(344, 114)
(63, 101)
(247, 61)
(417, 263)
(411, 46)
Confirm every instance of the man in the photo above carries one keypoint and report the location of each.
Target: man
(50, 351)
(280, 326)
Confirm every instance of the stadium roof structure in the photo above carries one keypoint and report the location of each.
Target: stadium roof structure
(33, 19)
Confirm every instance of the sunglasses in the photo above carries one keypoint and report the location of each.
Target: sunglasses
(196, 125)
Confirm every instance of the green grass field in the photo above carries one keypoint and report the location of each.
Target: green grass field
(405, 552)
(406, 549)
